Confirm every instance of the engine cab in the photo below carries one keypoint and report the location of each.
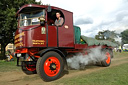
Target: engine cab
(36, 27)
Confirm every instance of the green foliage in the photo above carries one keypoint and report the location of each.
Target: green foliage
(124, 36)
(107, 35)
(8, 22)
(100, 36)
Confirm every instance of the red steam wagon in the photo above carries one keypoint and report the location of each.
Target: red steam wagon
(42, 47)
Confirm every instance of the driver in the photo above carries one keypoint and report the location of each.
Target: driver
(59, 21)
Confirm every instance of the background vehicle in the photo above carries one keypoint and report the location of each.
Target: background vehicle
(125, 47)
(43, 47)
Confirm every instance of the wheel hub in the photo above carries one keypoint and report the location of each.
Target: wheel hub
(52, 66)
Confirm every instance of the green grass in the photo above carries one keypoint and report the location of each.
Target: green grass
(110, 76)
(122, 54)
(8, 66)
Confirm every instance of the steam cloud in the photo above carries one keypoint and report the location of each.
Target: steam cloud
(95, 55)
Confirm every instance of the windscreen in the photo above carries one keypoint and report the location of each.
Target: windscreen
(31, 18)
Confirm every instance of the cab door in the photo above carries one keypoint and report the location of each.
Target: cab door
(52, 36)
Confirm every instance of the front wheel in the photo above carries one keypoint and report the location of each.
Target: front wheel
(50, 66)
(107, 61)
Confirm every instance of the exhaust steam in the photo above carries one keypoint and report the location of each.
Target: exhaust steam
(79, 61)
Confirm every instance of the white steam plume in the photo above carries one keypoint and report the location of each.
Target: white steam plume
(95, 55)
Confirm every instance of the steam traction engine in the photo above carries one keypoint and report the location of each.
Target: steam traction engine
(42, 47)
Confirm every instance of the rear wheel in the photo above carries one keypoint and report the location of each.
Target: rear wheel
(50, 66)
(107, 61)
(28, 67)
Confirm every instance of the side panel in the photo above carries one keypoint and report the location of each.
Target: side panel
(31, 37)
(52, 36)
(66, 32)
(36, 37)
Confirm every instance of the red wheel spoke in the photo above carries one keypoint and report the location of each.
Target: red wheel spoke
(52, 67)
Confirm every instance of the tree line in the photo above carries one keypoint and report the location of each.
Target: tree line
(112, 36)
(8, 21)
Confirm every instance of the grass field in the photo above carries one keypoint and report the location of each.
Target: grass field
(116, 74)
(111, 76)
(8, 66)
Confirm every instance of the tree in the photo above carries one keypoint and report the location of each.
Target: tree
(124, 36)
(100, 36)
(107, 35)
(8, 22)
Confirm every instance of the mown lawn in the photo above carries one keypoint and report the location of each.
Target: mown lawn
(122, 54)
(110, 76)
(6, 66)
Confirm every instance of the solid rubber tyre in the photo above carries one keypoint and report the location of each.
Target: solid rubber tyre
(43, 61)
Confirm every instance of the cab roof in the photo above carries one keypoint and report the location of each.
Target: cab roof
(35, 6)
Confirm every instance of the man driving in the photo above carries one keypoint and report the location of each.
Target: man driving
(59, 21)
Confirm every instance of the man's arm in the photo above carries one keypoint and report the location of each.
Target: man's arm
(56, 23)
(61, 22)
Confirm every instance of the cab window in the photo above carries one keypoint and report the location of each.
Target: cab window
(51, 18)
(30, 18)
